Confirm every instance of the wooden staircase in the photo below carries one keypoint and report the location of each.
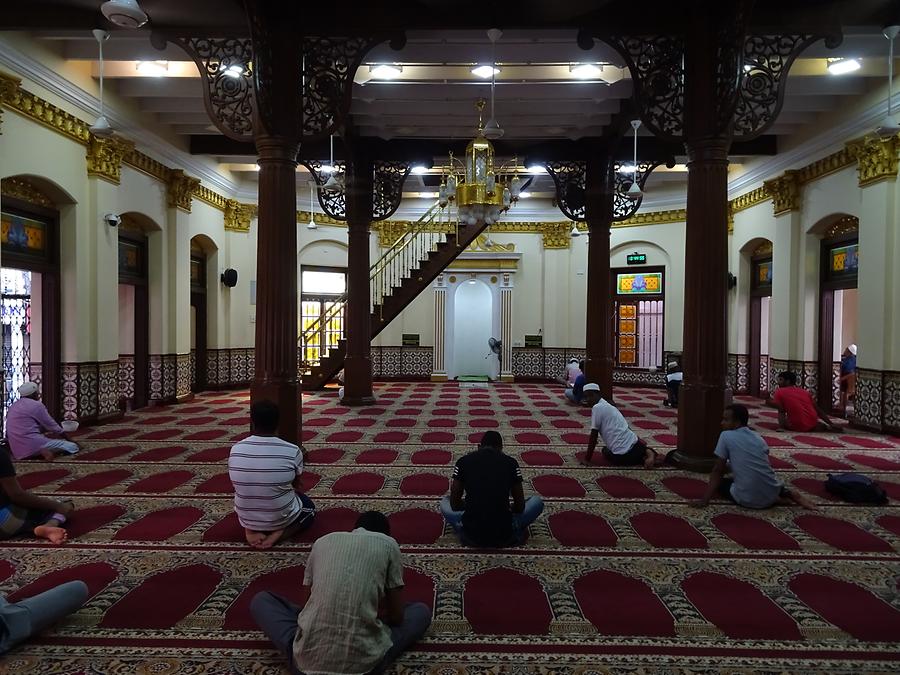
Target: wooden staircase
(406, 269)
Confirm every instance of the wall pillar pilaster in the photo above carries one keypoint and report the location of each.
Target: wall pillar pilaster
(439, 363)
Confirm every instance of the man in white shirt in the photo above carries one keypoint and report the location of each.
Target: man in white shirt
(674, 378)
(349, 576)
(622, 446)
(265, 472)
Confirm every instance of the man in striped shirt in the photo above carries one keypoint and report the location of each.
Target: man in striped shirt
(265, 472)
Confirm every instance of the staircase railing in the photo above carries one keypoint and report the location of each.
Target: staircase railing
(405, 254)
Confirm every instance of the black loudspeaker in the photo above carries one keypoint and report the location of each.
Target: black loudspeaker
(229, 278)
(732, 281)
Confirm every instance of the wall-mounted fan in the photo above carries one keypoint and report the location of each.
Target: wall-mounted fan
(496, 348)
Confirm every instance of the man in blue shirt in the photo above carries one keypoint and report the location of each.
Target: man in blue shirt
(575, 394)
(848, 376)
(753, 483)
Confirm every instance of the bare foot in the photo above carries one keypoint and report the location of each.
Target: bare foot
(48, 454)
(254, 538)
(55, 535)
(270, 539)
(651, 460)
(801, 500)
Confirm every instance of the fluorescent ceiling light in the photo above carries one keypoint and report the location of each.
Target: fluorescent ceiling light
(586, 71)
(152, 68)
(524, 195)
(385, 71)
(233, 70)
(256, 167)
(327, 168)
(418, 168)
(536, 169)
(628, 168)
(842, 66)
(485, 71)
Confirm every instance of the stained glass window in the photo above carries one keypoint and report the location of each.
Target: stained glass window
(639, 284)
(762, 273)
(23, 235)
(131, 262)
(845, 259)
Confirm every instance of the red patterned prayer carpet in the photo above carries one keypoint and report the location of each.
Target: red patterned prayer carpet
(620, 574)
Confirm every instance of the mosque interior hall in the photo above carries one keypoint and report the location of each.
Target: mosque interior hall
(409, 224)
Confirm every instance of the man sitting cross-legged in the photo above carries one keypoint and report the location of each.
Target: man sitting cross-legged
(622, 446)
(24, 513)
(28, 424)
(753, 482)
(265, 472)
(20, 620)
(478, 507)
(339, 629)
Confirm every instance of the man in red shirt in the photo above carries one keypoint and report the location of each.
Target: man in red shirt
(797, 409)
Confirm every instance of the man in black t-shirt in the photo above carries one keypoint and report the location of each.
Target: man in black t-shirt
(24, 513)
(478, 507)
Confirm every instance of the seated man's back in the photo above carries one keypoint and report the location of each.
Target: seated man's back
(349, 573)
(755, 484)
(488, 477)
(798, 406)
(262, 470)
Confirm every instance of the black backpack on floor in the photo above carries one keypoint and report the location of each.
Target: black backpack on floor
(856, 488)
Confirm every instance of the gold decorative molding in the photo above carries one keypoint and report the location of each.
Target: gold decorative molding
(211, 197)
(24, 102)
(238, 215)
(484, 244)
(556, 235)
(785, 192)
(389, 231)
(105, 155)
(483, 265)
(324, 219)
(654, 218)
(749, 199)
(19, 188)
(180, 189)
(825, 166)
(146, 164)
(876, 158)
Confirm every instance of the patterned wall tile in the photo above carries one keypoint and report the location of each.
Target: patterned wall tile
(555, 360)
(836, 385)
(764, 368)
(88, 388)
(376, 362)
(108, 394)
(35, 373)
(212, 367)
(182, 375)
(391, 364)
(416, 361)
(156, 383)
(742, 380)
(528, 362)
(869, 391)
(635, 376)
(69, 375)
(126, 377)
(891, 402)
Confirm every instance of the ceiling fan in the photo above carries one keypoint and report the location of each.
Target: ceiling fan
(101, 126)
(889, 125)
(124, 13)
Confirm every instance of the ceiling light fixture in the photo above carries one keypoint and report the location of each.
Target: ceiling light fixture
(152, 68)
(124, 13)
(234, 70)
(485, 71)
(311, 225)
(256, 167)
(575, 231)
(419, 169)
(627, 168)
(492, 129)
(101, 126)
(634, 192)
(843, 66)
(524, 195)
(332, 183)
(385, 71)
(536, 169)
(889, 125)
(586, 71)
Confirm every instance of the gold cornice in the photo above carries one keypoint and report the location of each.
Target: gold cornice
(654, 218)
(53, 117)
(146, 164)
(876, 158)
(324, 219)
(105, 155)
(180, 189)
(785, 192)
(496, 264)
(749, 199)
(238, 215)
(825, 166)
(19, 188)
(556, 235)
(211, 197)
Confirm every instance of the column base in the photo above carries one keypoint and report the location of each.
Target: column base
(507, 378)
(357, 400)
(690, 462)
(438, 377)
(286, 395)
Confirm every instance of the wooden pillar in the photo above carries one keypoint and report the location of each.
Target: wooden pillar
(358, 361)
(702, 395)
(275, 377)
(599, 348)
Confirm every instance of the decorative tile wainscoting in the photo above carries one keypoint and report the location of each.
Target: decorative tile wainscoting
(90, 391)
(549, 363)
(402, 362)
(807, 373)
(877, 405)
(126, 378)
(229, 368)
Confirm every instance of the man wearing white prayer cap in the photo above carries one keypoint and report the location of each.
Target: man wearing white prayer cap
(28, 424)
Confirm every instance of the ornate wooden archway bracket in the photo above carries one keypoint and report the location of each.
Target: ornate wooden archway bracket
(387, 187)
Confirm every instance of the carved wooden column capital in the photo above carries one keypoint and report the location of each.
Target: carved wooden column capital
(105, 155)
(785, 192)
(180, 189)
(877, 158)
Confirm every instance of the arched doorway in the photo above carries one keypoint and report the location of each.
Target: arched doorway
(838, 303)
(134, 311)
(202, 263)
(639, 317)
(30, 302)
(473, 327)
(760, 316)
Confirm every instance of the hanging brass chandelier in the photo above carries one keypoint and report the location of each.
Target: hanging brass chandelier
(476, 186)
